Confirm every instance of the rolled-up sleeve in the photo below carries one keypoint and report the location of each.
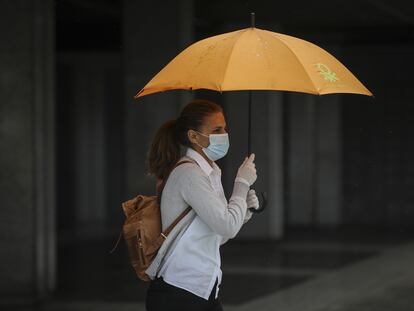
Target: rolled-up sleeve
(196, 191)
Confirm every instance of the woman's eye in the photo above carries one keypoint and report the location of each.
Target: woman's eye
(220, 131)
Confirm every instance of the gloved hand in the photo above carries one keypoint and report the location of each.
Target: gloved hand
(252, 202)
(247, 171)
(252, 199)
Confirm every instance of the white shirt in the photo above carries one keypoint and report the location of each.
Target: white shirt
(194, 264)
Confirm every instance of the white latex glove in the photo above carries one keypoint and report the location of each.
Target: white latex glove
(247, 171)
(252, 199)
(252, 202)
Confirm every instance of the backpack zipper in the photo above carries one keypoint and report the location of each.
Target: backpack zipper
(140, 247)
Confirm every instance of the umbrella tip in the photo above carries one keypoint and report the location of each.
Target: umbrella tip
(252, 19)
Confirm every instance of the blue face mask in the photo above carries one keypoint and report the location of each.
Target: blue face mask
(219, 145)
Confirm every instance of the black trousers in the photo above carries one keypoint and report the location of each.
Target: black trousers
(162, 296)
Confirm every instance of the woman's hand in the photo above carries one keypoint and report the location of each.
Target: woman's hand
(252, 202)
(247, 171)
(252, 199)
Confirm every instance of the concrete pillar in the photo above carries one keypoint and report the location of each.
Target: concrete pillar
(276, 169)
(314, 160)
(27, 236)
(300, 158)
(152, 38)
(329, 159)
(86, 88)
(90, 145)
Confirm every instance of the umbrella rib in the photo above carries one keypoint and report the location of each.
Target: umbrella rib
(227, 66)
(304, 69)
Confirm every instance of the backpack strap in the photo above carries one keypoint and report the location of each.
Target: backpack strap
(157, 243)
(170, 227)
(167, 231)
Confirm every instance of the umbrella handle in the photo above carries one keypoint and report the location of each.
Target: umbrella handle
(263, 206)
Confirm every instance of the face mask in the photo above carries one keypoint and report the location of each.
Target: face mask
(219, 145)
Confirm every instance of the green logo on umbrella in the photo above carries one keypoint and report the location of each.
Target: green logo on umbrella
(326, 72)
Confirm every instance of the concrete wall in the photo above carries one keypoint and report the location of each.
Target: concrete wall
(27, 150)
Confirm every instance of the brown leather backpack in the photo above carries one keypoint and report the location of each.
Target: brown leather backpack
(142, 228)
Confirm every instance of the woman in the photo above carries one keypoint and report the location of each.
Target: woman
(186, 273)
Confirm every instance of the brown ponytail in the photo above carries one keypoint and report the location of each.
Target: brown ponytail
(166, 147)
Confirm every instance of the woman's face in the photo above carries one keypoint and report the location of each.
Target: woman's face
(213, 124)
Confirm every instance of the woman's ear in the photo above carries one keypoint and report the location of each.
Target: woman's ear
(191, 136)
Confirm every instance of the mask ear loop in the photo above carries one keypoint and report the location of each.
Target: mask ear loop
(200, 145)
(203, 135)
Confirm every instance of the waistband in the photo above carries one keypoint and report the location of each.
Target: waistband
(159, 279)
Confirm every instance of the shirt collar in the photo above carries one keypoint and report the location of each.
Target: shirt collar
(205, 166)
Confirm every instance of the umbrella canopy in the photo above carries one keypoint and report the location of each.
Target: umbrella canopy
(255, 59)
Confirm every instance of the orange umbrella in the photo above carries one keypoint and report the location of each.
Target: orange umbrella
(255, 59)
